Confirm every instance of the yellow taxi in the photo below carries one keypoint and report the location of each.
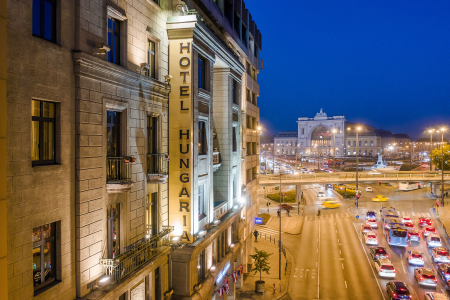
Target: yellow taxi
(331, 204)
(380, 198)
(352, 189)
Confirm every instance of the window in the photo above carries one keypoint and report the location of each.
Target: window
(113, 133)
(234, 186)
(234, 140)
(249, 69)
(201, 202)
(254, 98)
(254, 151)
(201, 265)
(151, 72)
(114, 40)
(254, 74)
(44, 255)
(156, 1)
(113, 219)
(234, 92)
(249, 148)
(43, 123)
(249, 122)
(151, 214)
(202, 147)
(249, 96)
(254, 173)
(44, 19)
(201, 73)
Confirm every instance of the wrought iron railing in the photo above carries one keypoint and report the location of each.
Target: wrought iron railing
(118, 169)
(136, 255)
(157, 163)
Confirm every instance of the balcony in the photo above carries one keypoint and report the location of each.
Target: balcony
(136, 255)
(157, 168)
(118, 174)
(216, 160)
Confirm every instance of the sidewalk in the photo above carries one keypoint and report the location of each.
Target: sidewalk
(248, 288)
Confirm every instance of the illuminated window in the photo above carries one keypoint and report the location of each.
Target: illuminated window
(151, 59)
(45, 262)
(43, 123)
(113, 239)
(202, 146)
(44, 19)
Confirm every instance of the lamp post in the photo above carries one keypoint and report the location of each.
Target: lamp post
(357, 161)
(334, 148)
(431, 145)
(259, 128)
(442, 163)
(279, 239)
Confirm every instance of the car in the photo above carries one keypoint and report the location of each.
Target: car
(286, 206)
(415, 258)
(423, 221)
(413, 234)
(380, 198)
(385, 268)
(409, 225)
(366, 229)
(428, 230)
(406, 219)
(444, 270)
(378, 253)
(369, 189)
(425, 276)
(321, 194)
(398, 290)
(433, 240)
(371, 238)
(435, 296)
(331, 204)
(372, 223)
(371, 214)
(440, 255)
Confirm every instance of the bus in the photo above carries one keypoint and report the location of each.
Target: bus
(397, 235)
(388, 212)
(408, 186)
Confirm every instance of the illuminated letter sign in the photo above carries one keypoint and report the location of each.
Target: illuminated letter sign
(180, 138)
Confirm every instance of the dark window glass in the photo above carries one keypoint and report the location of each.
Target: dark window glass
(234, 140)
(114, 40)
(202, 147)
(113, 133)
(44, 19)
(151, 214)
(151, 72)
(234, 92)
(152, 132)
(156, 1)
(201, 73)
(113, 219)
(201, 201)
(43, 119)
(44, 255)
(201, 265)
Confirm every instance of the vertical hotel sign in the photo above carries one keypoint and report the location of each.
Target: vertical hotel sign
(181, 137)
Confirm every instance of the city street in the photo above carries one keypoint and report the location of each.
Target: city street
(331, 260)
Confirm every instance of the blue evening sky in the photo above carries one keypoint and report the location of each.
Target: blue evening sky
(384, 63)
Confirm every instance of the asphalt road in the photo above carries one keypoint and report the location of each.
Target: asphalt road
(331, 260)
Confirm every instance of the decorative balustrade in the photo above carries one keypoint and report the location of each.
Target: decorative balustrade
(157, 167)
(118, 170)
(136, 255)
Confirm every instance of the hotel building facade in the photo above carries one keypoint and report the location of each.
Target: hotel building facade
(124, 165)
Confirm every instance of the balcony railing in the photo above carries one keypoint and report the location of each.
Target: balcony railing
(118, 170)
(157, 167)
(136, 255)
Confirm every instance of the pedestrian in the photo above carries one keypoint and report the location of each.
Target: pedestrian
(279, 213)
(255, 233)
(287, 212)
(446, 194)
(318, 212)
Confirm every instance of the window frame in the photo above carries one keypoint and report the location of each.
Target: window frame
(42, 120)
(234, 92)
(149, 55)
(54, 20)
(117, 34)
(202, 139)
(201, 73)
(55, 256)
(110, 221)
(234, 141)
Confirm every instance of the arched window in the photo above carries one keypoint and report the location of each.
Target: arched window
(349, 143)
(359, 152)
(365, 152)
(354, 143)
(360, 143)
(371, 143)
(371, 152)
(348, 152)
(365, 143)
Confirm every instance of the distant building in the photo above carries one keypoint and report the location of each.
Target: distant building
(423, 146)
(327, 136)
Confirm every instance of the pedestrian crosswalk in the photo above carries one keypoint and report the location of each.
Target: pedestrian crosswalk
(268, 232)
(347, 215)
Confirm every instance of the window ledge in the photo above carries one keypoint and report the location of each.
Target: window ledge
(202, 217)
(45, 40)
(45, 164)
(46, 287)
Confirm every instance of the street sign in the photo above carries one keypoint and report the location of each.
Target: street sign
(357, 216)
(258, 221)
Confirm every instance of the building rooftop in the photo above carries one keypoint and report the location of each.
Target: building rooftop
(287, 134)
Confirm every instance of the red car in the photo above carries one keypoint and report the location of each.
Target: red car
(409, 225)
(286, 206)
(428, 230)
(424, 221)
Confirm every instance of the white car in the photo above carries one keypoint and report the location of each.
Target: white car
(433, 240)
(369, 189)
(371, 238)
(415, 258)
(385, 268)
(425, 276)
(321, 194)
(435, 296)
(372, 222)
(440, 255)
(406, 219)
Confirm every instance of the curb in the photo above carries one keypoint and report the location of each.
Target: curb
(288, 280)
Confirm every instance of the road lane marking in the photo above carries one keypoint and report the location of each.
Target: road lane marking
(336, 230)
(295, 272)
(342, 266)
(403, 266)
(340, 252)
(345, 284)
(413, 213)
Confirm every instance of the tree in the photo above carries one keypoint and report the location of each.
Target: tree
(437, 157)
(261, 262)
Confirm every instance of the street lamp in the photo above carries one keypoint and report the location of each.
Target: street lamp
(442, 163)
(259, 128)
(357, 161)
(431, 144)
(334, 146)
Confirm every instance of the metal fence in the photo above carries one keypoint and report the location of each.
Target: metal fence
(136, 255)
(118, 170)
(157, 163)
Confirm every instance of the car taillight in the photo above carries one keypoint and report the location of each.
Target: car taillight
(394, 295)
(420, 278)
(421, 258)
(410, 297)
(435, 280)
(395, 271)
(387, 255)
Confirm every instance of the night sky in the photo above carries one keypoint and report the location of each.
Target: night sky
(383, 63)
